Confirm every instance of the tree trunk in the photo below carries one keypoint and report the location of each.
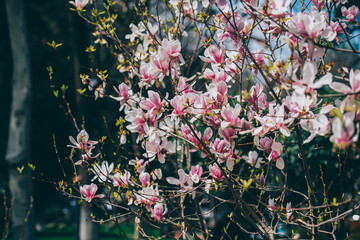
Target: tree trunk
(88, 230)
(18, 148)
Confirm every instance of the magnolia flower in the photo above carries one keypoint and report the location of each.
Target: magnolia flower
(228, 133)
(307, 83)
(221, 3)
(231, 116)
(262, 179)
(121, 180)
(153, 148)
(123, 92)
(137, 31)
(277, 150)
(157, 174)
(88, 191)
(144, 178)
(215, 172)
(178, 103)
(320, 4)
(171, 48)
(82, 141)
(275, 119)
(317, 125)
(184, 180)
(148, 196)
(350, 13)
(271, 206)
(343, 132)
(264, 144)
(278, 8)
(147, 73)
(288, 211)
(195, 173)
(253, 159)
(214, 55)
(140, 164)
(354, 80)
(311, 25)
(158, 211)
(79, 4)
(153, 103)
(138, 122)
(102, 173)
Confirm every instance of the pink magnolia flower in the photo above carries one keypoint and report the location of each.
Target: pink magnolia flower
(144, 178)
(288, 211)
(124, 94)
(271, 206)
(343, 131)
(221, 3)
(153, 103)
(160, 63)
(82, 141)
(221, 76)
(320, 4)
(88, 191)
(259, 58)
(220, 147)
(276, 119)
(217, 92)
(298, 104)
(178, 103)
(354, 80)
(215, 172)
(140, 164)
(171, 48)
(257, 97)
(262, 179)
(138, 122)
(79, 4)
(278, 8)
(214, 55)
(311, 25)
(264, 144)
(350, 13)
(153, 148)
(277, 150)
(184, 180)
(228, 134)
(147, 196)
(147, 73)
(231, 30)
(206, 139)
(231, 116)
(308, 83)
(195, 173)
(338, 28)
(253, 159)
(121, 180)
(158, 212)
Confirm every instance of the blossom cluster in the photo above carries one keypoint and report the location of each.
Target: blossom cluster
(240, 96)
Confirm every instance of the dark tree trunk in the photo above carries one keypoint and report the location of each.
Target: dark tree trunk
(18, 148)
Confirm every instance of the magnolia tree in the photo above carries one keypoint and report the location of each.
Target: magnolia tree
(229, 102)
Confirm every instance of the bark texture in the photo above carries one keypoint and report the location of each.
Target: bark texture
(18, 148)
